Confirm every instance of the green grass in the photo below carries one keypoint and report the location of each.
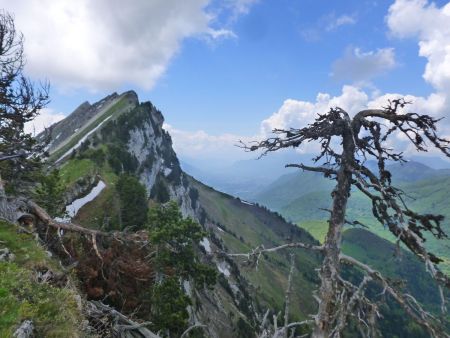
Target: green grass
(426, 196)
(106, 204)
(385, 257)
(257, 226)
(318, 229)
(22, 245)
(53, 310)
(74, 169)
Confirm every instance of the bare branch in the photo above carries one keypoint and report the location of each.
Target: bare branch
(326, 171)
(418, 314)
(254, 256)
(193, 327)
(287, 298)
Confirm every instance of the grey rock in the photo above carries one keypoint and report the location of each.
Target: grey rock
(25, 330)
(6, 255)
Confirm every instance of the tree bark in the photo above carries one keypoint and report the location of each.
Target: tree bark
(329, 272)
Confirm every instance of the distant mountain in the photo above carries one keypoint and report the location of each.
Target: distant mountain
(432, 161)
(249, 179)
(290, 187)
(302, 196)
(413, 171)
(244, 178)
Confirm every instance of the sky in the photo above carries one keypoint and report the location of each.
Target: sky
(227, 70)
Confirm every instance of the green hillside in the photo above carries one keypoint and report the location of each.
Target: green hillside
(247, 226)
(290, 187)
(431, 195)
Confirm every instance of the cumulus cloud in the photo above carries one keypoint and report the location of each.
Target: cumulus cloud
(430, 25)
(357, 65)
(297, 113)
(45, 119)
(200, 145)
(107, 43)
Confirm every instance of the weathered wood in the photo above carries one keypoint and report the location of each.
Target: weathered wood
(46, 219)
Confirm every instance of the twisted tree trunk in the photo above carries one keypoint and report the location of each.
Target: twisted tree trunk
(329, 272)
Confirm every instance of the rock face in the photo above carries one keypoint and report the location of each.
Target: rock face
(158, 166)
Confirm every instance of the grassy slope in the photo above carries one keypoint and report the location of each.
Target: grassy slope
(116, 109)
(290, 187)
(427, 196)
(257, 226)
(53, 310)
(106, 204)
(384, 256)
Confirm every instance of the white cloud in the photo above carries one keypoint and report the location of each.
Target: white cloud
(44, 120)
(297, 114)
(200, 145)
(327, 24)
(107, 43)
(339, 21)
(357, 65)
(293, 113)
(430, 24)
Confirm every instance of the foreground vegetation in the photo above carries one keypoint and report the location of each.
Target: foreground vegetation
(53, 308)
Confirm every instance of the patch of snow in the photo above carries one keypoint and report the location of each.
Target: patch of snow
(205, 243)
(248, 203)
(73, 208)
(76, 130)
(57, 136)
(220, 229)
(83, 139)
(223, 267)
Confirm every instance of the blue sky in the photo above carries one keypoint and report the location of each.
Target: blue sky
(227, 68)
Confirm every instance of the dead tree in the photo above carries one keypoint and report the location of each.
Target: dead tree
(346, 144)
